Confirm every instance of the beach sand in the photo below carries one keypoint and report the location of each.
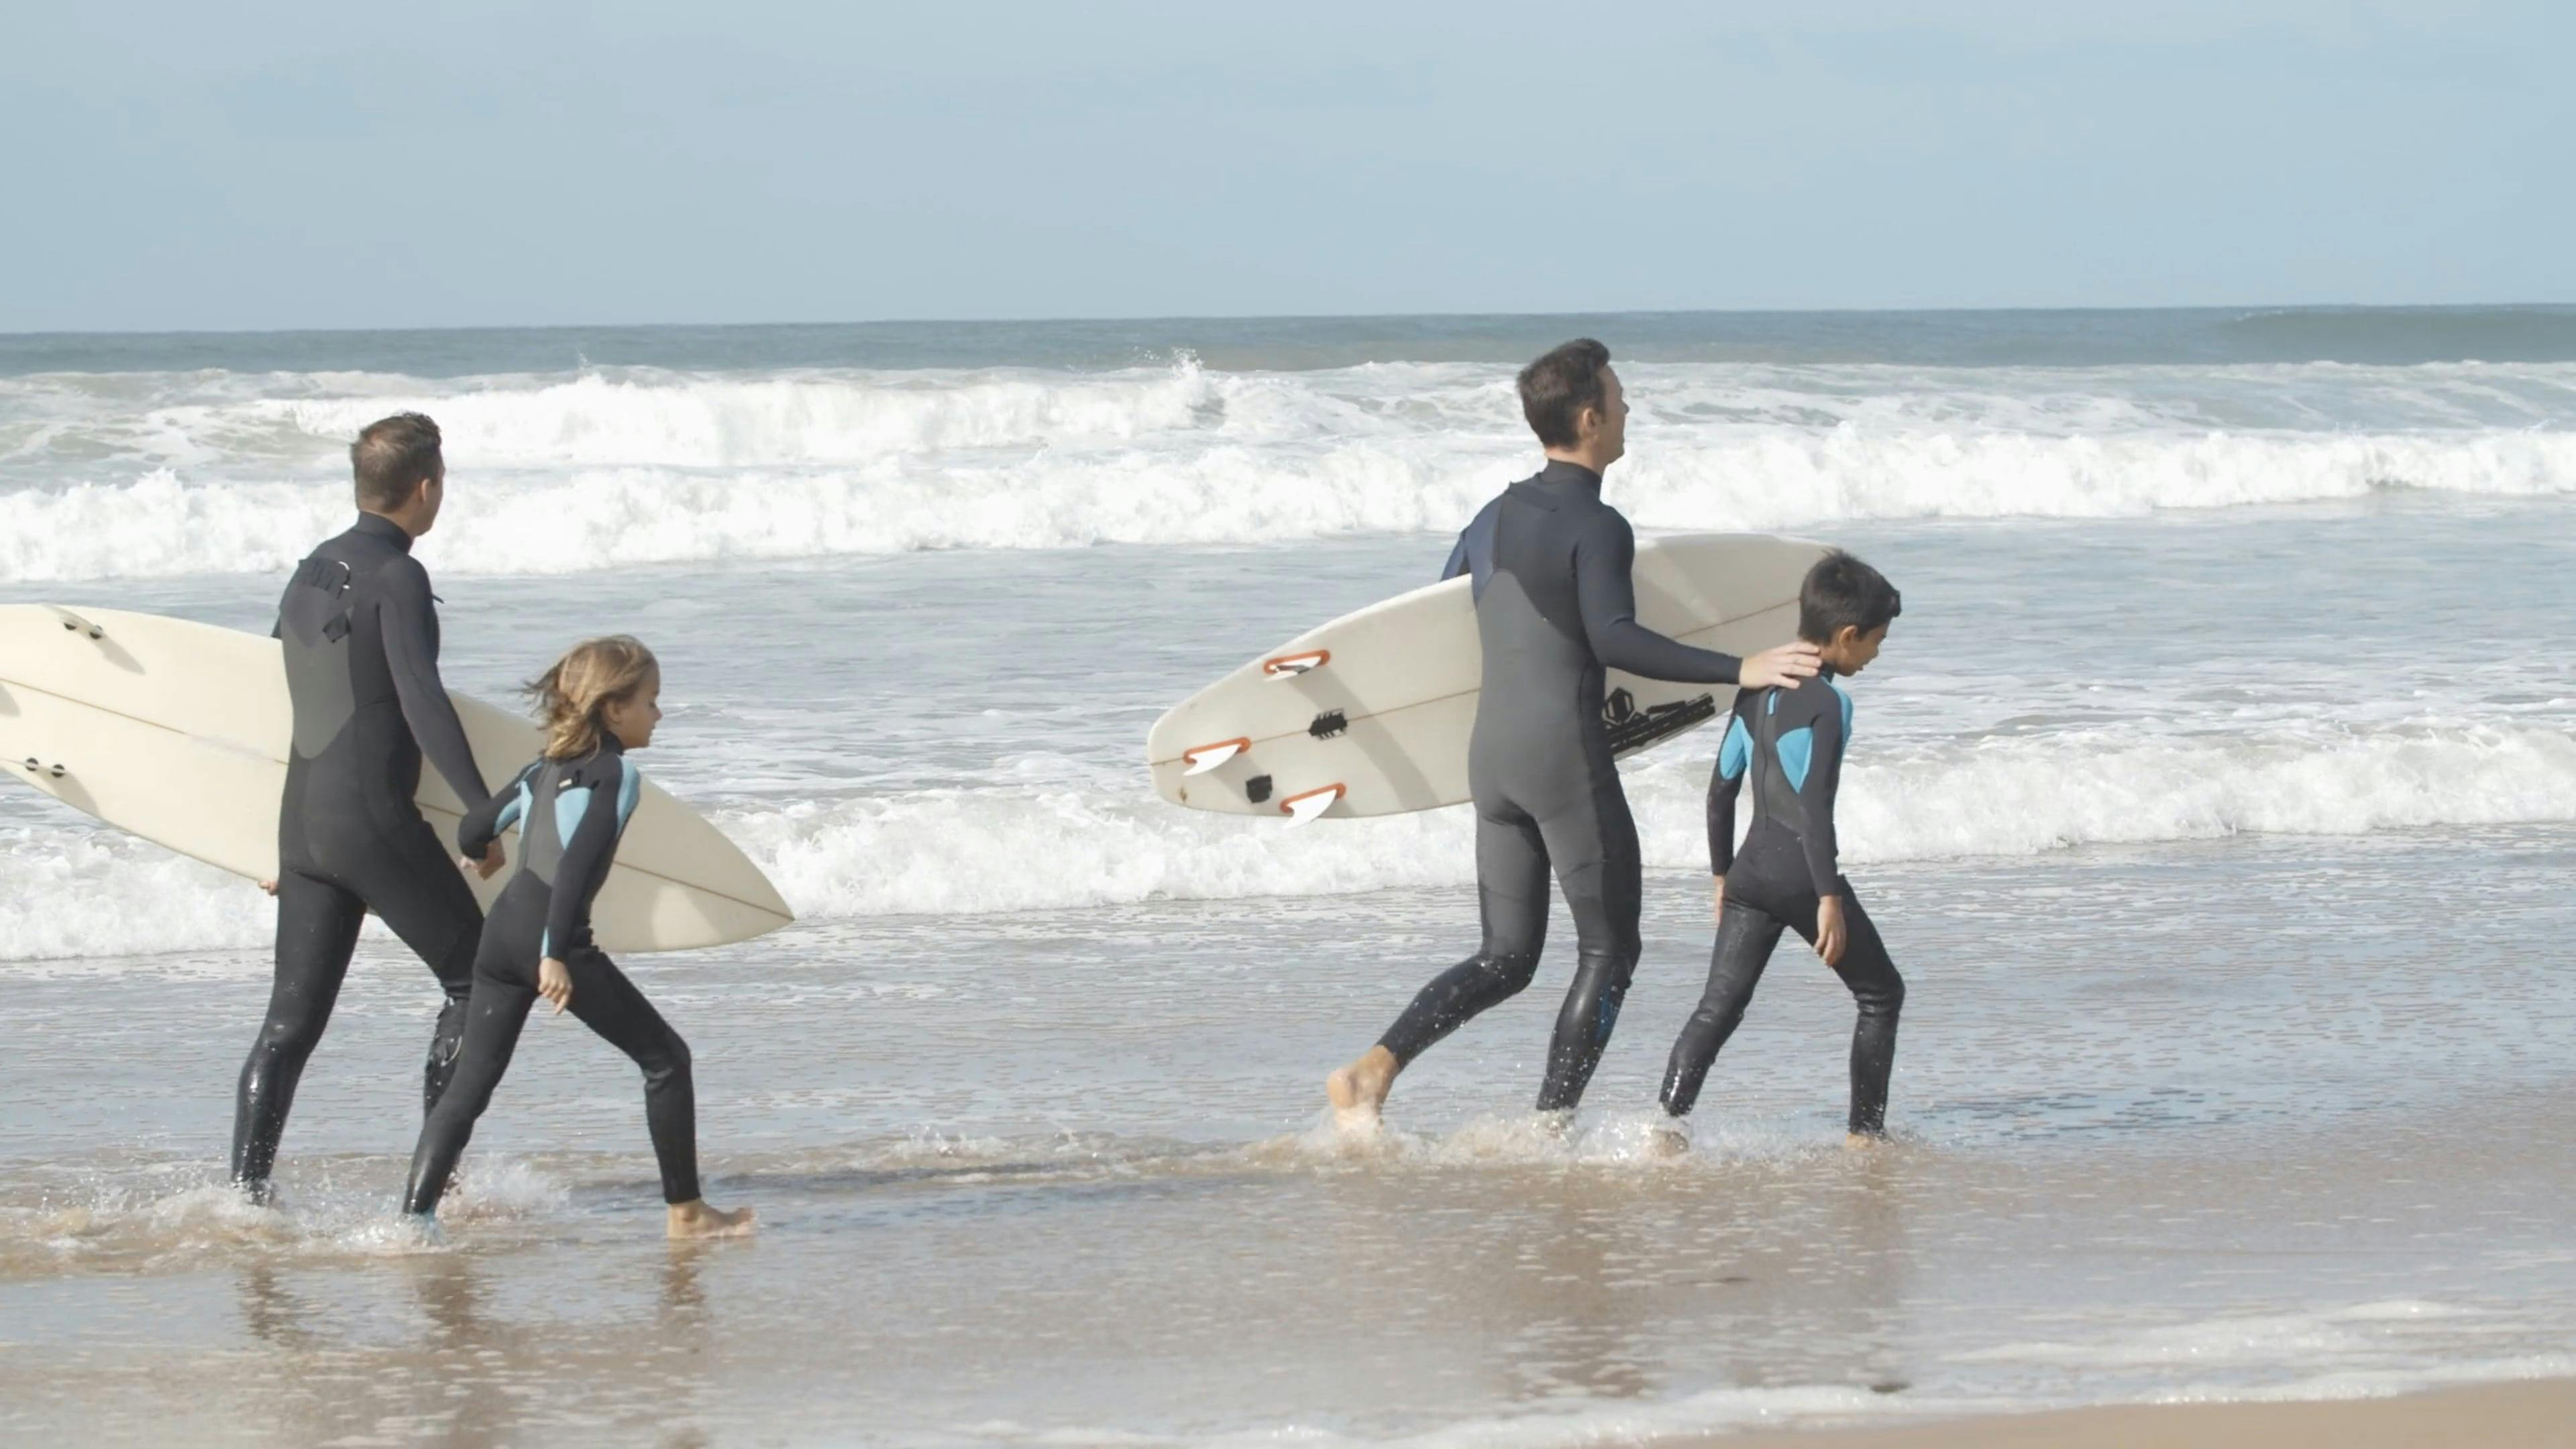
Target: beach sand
(2540, 1412)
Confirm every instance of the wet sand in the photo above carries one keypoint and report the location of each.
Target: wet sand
(2531, 1415)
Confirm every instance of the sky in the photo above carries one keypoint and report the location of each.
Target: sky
(261, 165)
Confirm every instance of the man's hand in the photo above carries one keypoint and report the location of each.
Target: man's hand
(554, 983)
(269, 886)
(1830, 935)
(493, 859)
(1717, 902)
(1779, 664)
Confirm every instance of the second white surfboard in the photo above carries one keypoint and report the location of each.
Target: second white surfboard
(1370, 714)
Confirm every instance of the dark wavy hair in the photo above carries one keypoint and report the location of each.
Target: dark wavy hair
(1841, 590)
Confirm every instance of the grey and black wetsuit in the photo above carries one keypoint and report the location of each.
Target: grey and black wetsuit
(1788, 741)
(360, 631)
(1554, 609)
(570, 815)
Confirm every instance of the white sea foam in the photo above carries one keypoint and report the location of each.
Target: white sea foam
(565, 475)
(69, 892)
(77, 891)
(163, 525)
(792, 418)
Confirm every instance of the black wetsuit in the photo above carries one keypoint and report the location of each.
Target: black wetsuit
(1554, 608)
(1789, 742)
(570, 814)
(360, 631)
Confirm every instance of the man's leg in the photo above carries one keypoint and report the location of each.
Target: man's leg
(317, 929)
(416, 888)
(1511, 896)
(1511, 892)
(1594, 845)
(1745, 937)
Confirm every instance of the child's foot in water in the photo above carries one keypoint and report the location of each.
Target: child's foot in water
(1667, 1139)
(1359, 1090)
(696, 1219)
(1864, 1141)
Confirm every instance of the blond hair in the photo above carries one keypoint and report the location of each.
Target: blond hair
(591, 675)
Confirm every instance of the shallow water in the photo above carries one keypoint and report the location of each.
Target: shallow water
(1067, 1175)
(2227, 851)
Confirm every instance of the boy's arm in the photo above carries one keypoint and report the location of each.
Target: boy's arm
(1824, 779)
(1725, 782)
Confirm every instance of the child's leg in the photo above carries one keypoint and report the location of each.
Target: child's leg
(494, 1015)
(1745, 936)
(610, 1005)
(1880, 994)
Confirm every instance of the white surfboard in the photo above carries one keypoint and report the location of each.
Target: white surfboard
(1370, 714)
(178, 732)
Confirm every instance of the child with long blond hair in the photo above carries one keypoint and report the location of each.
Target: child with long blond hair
(598, 702)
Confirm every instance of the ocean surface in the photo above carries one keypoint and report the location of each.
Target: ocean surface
(2216, 794)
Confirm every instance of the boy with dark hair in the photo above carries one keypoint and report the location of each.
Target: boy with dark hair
(1788, 741)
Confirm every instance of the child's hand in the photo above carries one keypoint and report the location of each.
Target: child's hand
(554, 983)
(1829, 931)
(1717, 903)
(493, 859)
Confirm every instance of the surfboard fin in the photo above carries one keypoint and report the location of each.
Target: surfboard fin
(78, 625)
(1289, 666)
(37, 767)
(1301, 808)
(1203, 758)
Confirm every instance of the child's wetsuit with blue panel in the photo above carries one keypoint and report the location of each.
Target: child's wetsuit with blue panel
(570, 814)
(1786, 743)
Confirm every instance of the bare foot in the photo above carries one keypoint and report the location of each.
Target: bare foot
(1359, 1090)
(1667, 1139)
(1864, 1141)
(696, 1219)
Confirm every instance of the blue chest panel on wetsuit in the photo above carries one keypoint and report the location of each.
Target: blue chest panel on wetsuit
(569, 788)
(1794, 749)
(1787, 745)
(553, 801)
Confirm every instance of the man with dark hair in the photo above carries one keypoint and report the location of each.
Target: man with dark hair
(1788, 742)
(1554, 609)
(360, 631)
